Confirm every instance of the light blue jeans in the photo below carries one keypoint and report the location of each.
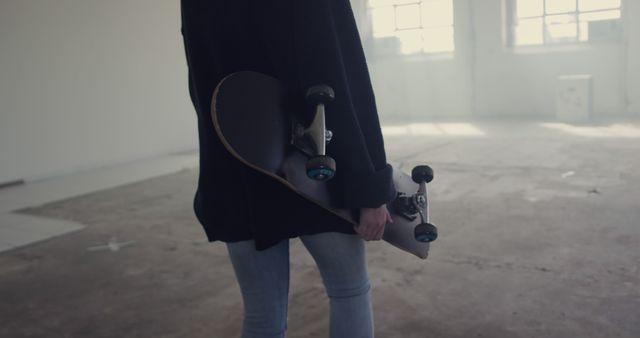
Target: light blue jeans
(263, 277)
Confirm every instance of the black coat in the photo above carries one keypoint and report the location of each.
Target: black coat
(302, 43)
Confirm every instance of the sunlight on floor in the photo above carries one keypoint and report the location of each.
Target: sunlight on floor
(617, 130)
(433, 129)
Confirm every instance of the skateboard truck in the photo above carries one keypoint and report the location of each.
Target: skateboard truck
(417, 204)
(313, 140)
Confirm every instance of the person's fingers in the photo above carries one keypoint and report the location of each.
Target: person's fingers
(369, 232)
(378, 235)
(381, 222)
(373, 231)
(388, 220)
(371, 226)
(362, 232)
(368, 226)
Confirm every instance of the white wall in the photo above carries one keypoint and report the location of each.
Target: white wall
(85, 83)
(522, 80)
(633, 56)
(431, 86)
(89, 83)
(485, 77)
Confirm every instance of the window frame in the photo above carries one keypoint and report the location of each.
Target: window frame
(512, 22)
(421, 28)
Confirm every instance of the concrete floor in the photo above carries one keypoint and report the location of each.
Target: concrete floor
(540, 237)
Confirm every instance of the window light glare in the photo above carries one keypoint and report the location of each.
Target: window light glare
(596, 5)
(408, 16)
(618, 130)
(420, 26)
(433, 129)
(529, 8)
(560, 6)
(539, 22)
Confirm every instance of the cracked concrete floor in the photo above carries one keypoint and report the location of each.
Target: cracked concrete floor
(540, 230)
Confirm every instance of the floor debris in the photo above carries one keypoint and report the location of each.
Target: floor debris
(112, 245)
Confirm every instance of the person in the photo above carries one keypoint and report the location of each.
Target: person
(301, 43)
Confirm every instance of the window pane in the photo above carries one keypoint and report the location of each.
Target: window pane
(529, 32)
(584, 31)
(563, 32)
(437, 13)
(438, 40)
(560, 6)
(594, 5)
(383, 20)
(560, 19)
(586, 18)
(410, 41)
(529, 8)
(376, 3)
(597, 16)
(408, 16)
(561, 28)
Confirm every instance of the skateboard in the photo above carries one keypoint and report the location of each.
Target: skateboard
(263, 126)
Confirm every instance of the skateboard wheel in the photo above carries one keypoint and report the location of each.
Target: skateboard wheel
(426, 232)
(422, 173)
(320, 94)
(321, 168)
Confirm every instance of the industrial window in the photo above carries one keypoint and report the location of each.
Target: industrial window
(420, 26)
(540, 22)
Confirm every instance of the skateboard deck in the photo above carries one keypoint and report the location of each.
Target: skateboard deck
(253, 115)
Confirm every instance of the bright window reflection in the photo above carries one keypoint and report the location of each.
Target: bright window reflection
(537, 22)
(421, 26)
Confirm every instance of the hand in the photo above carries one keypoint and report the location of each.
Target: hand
(372, 222)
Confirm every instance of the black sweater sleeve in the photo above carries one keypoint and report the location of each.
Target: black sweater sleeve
(317, 42)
